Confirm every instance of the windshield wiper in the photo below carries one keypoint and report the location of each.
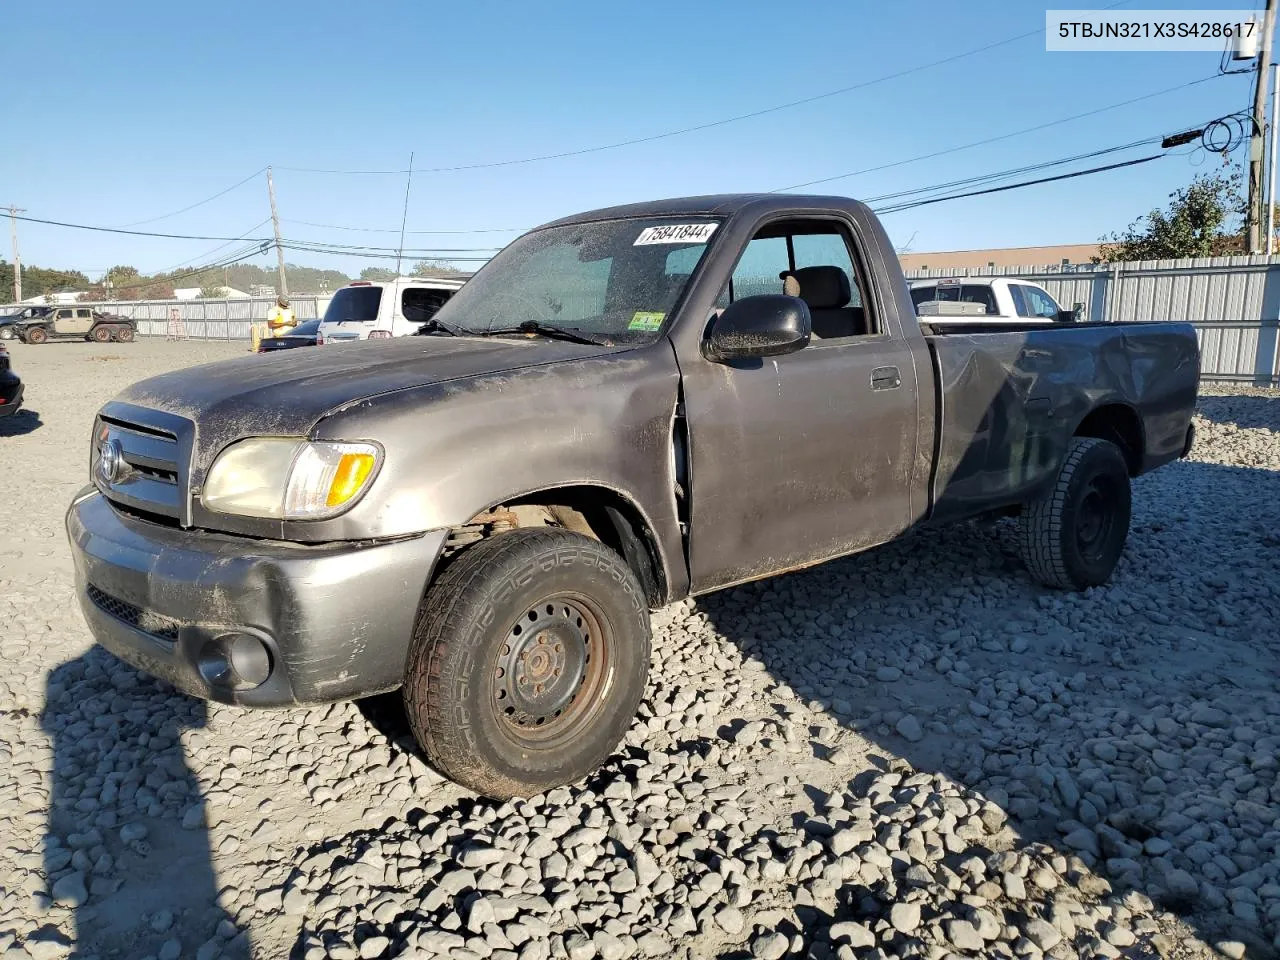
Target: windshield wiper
(548, 330)
(438, 326)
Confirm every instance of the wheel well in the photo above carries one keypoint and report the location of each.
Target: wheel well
(595, 512)
(1122, 426)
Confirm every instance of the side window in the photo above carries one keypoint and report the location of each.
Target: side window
(818, 254)
(1041, 303)
(827, 250)
(419, 304)
(760, 269)
(84, 314)
(1019, 301)
(65, 314)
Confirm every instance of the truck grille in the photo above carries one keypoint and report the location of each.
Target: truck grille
(136, 617)
(140, 460)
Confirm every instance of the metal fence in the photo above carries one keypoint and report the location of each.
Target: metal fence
(204, 319)
(1233, 302)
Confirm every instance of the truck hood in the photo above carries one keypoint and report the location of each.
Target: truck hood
(284, 393)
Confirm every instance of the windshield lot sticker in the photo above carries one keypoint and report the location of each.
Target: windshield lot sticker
(646, 320)
(676, 233)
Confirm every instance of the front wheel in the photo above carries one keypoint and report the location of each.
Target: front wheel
(6, 333)
(37, 335)
(1072, 537)
(528, 662)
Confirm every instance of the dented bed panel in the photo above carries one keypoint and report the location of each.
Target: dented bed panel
(1010, 403)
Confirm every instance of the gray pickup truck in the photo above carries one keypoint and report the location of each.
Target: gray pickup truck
(622, 409)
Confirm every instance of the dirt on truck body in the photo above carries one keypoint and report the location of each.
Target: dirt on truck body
(622, 409)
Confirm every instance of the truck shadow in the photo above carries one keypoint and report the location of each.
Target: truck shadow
(123, 850)
(1247, 411)
(1131, 726)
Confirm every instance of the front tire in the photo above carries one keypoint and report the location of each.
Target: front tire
(1072, 537)
(6, 333)
(37, 335)
(528, 662)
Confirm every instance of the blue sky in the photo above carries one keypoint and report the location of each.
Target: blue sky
(126, 112)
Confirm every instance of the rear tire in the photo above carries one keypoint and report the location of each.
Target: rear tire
(528, 662)
(100, 334)
(1072, 537)
(124, 334)
(37, 335)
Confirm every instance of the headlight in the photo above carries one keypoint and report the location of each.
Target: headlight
(289, 479)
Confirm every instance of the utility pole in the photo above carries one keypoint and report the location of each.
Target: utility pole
(1255, 218)
(17, 259)
(275, 224)
(405, 216)
(1271, 170)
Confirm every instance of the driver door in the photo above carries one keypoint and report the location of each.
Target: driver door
(799, 458)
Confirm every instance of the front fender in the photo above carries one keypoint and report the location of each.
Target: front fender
(455, 449)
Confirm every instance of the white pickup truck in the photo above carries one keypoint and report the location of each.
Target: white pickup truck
(986, 300)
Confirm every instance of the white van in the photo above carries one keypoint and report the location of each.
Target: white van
(369, 310)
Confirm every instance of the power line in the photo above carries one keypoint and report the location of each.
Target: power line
(334, 226)
(862, 85)
(201, 256)
(996, 139)
(1003, 174)
(193, 236)
(1020, 185)
(256, 250)
(166, 216)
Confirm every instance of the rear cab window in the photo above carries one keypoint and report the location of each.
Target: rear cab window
(957, 292)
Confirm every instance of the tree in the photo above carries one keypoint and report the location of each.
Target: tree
(1202, 220)
(436, 268)
(377, 274)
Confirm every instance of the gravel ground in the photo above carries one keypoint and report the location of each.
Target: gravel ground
(912, 753)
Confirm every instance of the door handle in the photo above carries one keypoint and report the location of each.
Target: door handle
(886, 378)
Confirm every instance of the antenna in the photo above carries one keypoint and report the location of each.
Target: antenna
(405, 216)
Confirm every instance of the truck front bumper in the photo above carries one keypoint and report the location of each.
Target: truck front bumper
(251, 622)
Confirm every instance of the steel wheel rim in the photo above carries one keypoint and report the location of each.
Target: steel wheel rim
(552, 670)
(1095, 519)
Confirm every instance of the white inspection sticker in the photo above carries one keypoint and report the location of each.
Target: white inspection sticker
(677, 233)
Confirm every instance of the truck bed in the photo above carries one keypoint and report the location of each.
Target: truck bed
(1008, 401)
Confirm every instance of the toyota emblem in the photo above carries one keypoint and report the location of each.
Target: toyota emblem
(111, 465)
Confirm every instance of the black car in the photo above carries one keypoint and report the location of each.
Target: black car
(10, 386)
(303, 335)
(9, 321)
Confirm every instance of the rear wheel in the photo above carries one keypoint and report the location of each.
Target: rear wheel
(528, 662)
(1072, 537)
(37, 335)
(100, 333)
(124, 334)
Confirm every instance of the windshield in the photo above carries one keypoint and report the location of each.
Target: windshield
(616, 279)
(354, 303)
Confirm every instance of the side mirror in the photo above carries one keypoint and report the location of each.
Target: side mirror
(767, 325)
